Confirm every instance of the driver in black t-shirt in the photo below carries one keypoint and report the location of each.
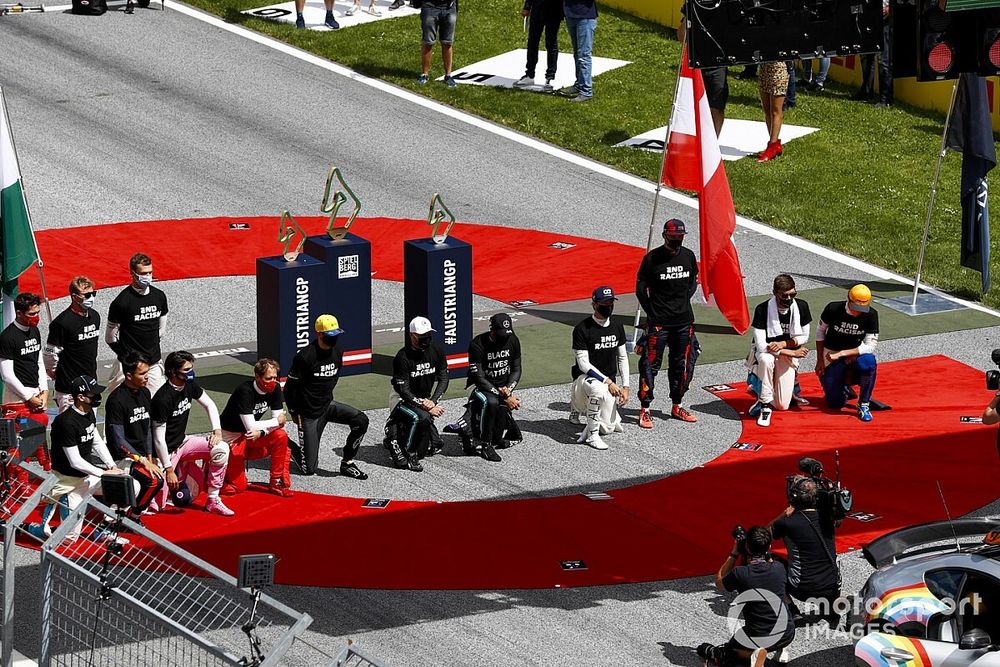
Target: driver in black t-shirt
(810, 539)
(768, 624)
(845, 343)
(601, 363)
(71, 346)
(309, 395)
(137, 319)
(25, 391)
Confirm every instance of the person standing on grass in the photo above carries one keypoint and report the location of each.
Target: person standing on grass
(581, 21)
(773, 85)
(543, 15)
(329, 21)
(715, 78)
(437, 23)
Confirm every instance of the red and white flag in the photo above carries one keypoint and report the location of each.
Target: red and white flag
(693, 161)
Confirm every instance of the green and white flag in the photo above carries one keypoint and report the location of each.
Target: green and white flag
(17, 240)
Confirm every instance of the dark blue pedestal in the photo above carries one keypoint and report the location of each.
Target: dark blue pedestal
(348, 281)
(438, 285)
(290, 296)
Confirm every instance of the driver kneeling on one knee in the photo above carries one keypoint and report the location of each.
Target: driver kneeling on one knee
(845, 343)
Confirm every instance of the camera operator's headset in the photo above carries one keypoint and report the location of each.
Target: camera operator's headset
(797, 492)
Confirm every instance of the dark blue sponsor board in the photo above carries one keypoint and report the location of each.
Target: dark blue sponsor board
(348, 282)
(437, 281)
(290, 296)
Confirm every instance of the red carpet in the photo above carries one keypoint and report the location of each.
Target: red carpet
(674, 527)
(206, 247)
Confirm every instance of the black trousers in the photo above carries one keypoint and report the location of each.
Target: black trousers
(545, 16)
(683, 353)
(490, 418)
(415, 428)
(311, 431)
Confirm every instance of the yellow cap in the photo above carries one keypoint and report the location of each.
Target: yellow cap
(328, 324)
(861, 297)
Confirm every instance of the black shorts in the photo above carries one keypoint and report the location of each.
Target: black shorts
(716, 87)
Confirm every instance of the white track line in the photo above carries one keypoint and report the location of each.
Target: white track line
(557, 152)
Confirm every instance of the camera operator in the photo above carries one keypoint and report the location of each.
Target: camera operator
(768, 624)
(809, 536)
(991, 415)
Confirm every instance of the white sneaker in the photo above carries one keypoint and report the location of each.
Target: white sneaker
(784, 656)
(548, 86)
(371, 10)
(596, 441)
(524, 82)
(765, 416)
(351, 11)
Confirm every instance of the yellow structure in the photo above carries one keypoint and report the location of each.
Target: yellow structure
(930, 95)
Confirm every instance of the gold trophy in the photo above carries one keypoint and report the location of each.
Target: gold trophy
(436, 218)
(331, 205)
(286, 234)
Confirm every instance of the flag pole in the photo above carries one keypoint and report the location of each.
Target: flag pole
(24, 196)
(934, 184)
(659, 184)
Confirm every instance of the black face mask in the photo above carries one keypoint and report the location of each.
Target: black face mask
(424, 343)
(674, 244)
(605, 310)
(501, 336)
(95, 402)
(784, 303)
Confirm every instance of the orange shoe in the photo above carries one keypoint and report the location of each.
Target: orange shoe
(645, 420)
(678, 412)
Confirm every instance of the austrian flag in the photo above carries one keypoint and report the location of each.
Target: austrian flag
(692, 161)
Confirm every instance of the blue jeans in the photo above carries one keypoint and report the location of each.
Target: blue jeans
(807, 70)
(581, 34)
(841, 374)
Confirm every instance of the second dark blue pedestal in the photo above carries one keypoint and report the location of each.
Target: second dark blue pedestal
(348, 281)
(438, 285)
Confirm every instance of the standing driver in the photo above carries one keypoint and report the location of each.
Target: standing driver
(666, 281)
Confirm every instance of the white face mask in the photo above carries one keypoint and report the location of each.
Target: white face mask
(87, 303)
(145, 280)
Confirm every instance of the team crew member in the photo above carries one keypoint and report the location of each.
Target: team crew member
(780, 331)
(601, 360)
(420, 378)
(249, 437)
(665, 283)
(309, 394)
(179, 453)
(74, 438)
(25, 391)
(71, 348)
(494, 371)
(130, 432)
(845, 342)
(137, 319)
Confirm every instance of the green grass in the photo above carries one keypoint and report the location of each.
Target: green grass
(859, 185)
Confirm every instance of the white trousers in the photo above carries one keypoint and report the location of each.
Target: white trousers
(777, 378)
(591, 397)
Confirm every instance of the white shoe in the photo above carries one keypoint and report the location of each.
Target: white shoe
(618, 428)
(524, 82)
(784, 656)
(371, 10)
(352, 11)
(548, 86)
(596, 441)
(577, 418)
(765, 416)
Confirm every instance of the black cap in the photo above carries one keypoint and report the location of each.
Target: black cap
(501, 323)
(84, 384)
(674, 226)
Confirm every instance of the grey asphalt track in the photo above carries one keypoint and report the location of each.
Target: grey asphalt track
(158, 115)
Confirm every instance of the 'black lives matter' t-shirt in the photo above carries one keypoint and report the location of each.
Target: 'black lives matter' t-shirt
(246, 400)
(23, 348)
(601, 344)
(172, 406)
(71, 429)
(760, 319)
(77, 335)
(139, 316)
(811, 546)
(664, 285)
(312, 379)
(131, 410)
(760, 616)
(494, 363)
(845, 331)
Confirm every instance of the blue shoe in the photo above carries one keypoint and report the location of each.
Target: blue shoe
(300, 23)
(423, 79)
(450, 81)
(755, 409)
(864, 414)
(331, 22)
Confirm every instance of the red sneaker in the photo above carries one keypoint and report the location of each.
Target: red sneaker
(645, 420)
(677, 412)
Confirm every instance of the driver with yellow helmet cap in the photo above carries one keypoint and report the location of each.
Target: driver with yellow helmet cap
(845, 342)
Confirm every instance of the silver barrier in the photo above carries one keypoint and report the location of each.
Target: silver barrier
(353, 656)
(108, 602)
(21, 492)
